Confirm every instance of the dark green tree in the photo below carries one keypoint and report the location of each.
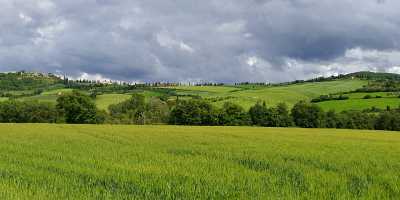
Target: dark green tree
(194, 112)
(77, 108)
(27, 112)
(331, 119)
(258, 114)
(388, 120)
(355, 120)
(234, 115)
(308, 115)
(284, 118)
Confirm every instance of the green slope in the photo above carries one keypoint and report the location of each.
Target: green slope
(168, 162)
(272, 95)
(105, 100)
(360, 104)
(27, 81)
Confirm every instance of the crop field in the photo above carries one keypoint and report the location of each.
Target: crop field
(169, 162)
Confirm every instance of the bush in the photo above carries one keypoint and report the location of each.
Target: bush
(323, 98)
(367, 96)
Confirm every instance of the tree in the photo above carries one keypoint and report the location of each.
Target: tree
(355, 120)
(77, 108)
(388, 120)
(308, 115)
(131, 111)
(234, 115)
(258, 114)
(331, 119)
(194, 112)
(27, 112)
(285, 119)
(157, 111)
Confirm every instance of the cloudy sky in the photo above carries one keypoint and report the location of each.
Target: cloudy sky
(192, 40)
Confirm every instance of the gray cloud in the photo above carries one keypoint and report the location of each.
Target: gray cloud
(215, 40)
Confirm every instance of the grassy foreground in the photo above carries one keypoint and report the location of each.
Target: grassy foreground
(168, 162)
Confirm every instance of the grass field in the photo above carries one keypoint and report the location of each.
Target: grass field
(357, 102)
(360, 104)
(105, 100)
(168, 162)
(248, 96)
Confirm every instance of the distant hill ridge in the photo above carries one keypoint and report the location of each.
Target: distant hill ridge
(374, 75)
(31, 80)
(27, 80)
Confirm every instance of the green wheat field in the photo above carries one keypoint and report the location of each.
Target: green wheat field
(169, 162)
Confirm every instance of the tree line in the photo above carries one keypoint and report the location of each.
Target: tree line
(79, 108)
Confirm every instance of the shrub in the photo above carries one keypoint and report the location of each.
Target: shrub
(367, 96)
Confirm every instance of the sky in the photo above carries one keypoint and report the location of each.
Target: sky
(192, 40)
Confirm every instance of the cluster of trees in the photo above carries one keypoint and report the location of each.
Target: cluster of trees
(74, 108)
(200, 112)
(27, 112)
(381, 86)
(137, 110)
(79, 108)
(303, 114)
(329, 98)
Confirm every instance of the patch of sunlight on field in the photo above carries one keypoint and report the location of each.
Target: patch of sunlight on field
(170, 162)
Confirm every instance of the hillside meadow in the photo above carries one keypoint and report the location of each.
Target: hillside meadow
(361, 104)
(168, 162)
(247, 96)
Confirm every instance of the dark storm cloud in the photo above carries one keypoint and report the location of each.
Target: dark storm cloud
(216, 40)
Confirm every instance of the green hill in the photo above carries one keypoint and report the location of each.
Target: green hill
(374, 76)
(272, 95)
(21, 81)
(46, 88)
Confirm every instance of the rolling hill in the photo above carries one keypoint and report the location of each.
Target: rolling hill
(46, 88)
